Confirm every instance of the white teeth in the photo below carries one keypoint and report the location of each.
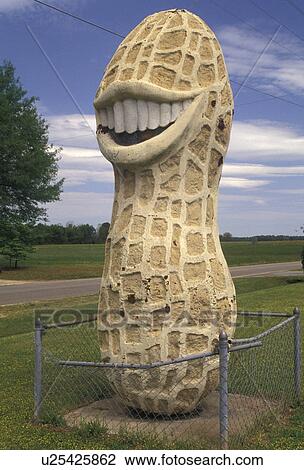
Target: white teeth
(165, 114)
(119, 117)
(110, 114)
(176, 110)
(132, 115)
(154, 115)
(186, 104)
(103, 117)
(143, 115)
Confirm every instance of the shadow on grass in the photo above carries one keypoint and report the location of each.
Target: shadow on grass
(294, 280)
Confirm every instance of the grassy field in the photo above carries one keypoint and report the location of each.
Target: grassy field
(16, 385)
(59, 262)
(82, 261)
(244, 253)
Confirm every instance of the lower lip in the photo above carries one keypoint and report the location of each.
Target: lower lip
(154, 146)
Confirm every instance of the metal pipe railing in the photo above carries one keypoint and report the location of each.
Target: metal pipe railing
(264, 314)
(153, 365)
(38, 368)
(297, 354)
(264, 333)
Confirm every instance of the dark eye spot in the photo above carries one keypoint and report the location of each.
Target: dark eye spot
(220, 162)
(131, 298)
(213, 103)
(221, 124)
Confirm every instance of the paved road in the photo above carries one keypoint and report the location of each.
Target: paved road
(43, 290)
(273, 269)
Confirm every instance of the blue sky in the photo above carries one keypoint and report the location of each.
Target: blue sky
(262, 187)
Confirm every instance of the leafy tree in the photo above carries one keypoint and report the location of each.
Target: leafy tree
(57, 234)
(40, 234)
(29, 165)
(15, 250)
(226, 236)
(15, 243)
(84, 233)
(87, 233)
(102, 232)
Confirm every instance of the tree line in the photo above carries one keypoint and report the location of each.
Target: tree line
(228, 237)
(43, 234)
(21, 239)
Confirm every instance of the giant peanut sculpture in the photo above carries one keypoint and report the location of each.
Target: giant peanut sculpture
(164, 111)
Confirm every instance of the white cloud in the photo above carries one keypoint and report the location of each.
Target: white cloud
(240, 198)
(263, 139)
(84, 165)
(73, 129)
(278, 69)
(75, 177)
(261, 170)
(81, 160)
(79, 153)
(242, 183)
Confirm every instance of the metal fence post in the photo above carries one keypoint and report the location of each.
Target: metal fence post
(38, 368)
(297, 353)
(223, 403)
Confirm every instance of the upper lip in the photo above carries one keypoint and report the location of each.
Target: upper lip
(120, 91)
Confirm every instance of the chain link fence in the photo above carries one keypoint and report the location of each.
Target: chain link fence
(267, 378)
(249, 379)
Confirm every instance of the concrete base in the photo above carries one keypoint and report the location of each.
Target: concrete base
(243, 414)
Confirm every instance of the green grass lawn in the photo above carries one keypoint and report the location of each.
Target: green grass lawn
(16, 385)
(49, 262)
(244, 253)
(83, 261)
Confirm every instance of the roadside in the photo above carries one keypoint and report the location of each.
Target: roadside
(42, 290)
(58, 262)
(8, 282)
(47, 290)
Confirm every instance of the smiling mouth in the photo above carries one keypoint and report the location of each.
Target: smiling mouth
(131, 121)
